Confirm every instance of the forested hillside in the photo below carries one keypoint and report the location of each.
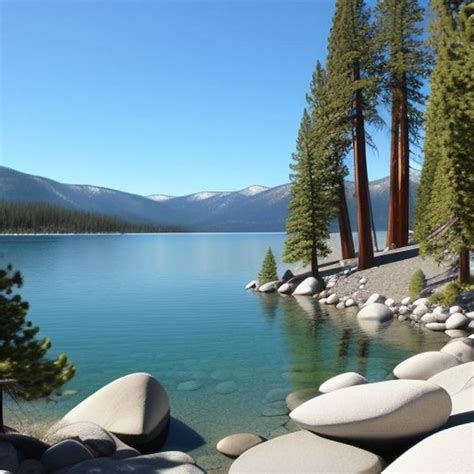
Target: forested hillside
(36, 218)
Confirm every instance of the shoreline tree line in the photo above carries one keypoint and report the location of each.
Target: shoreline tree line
(381, 59)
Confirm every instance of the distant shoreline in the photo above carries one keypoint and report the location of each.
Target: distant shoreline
(71, 234)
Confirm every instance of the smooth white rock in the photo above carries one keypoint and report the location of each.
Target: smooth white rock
(323, 300)
(420, 310)
(463, 401)
(135, 407)
(361, 287)
(349, 302)
(424, 365)
(455, 309)
(331, 284)
(347, 379)
(332, 299)
(471, 325)
(286, 288)
(379, 411)
(236, 444)
(375, 312)
(251, 284)
(441, 317)
(455, 379)
(456, 321)
(375, 298)
(424, 301)
(389, 302)
(308, 286)
(268, 287)
(304, 452)
(436, 326)
(428, 318)
(462, 349)
(447, 451)
(363, 281)
(406, 301)
(470, 315)
(403, 310)
(438, 310)
(455, 333)
(340, 305)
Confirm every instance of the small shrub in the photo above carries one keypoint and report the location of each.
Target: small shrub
(269, 269)
(417, 284)
(449, 294)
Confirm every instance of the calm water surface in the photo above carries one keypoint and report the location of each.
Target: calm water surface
(174, 305)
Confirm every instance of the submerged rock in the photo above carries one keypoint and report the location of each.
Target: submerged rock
(227, 387)
(236, 444)
(189, 386)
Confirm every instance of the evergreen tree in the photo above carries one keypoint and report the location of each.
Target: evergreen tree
(311, 201)
(445, 206)
(23, 356)
(352, 94)
(333, 144)
(269, 268)
(405, 64)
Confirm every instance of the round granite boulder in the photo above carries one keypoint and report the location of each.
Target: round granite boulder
(347, 379)
(424, 365)
(269, 287)
(304, 452)
(308, 287)
(298, 397)
(462, 349)
(447, 451)
(436, 326)
(136, 408)
(375, 312)
(457, 321)
(236, 444)
(65, 453)
(382, 411)
(455, 379)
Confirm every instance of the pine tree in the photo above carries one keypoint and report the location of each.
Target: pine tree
(269, 268)
(445, 206)
(352, 95)
(23, 356)
(312, 199)
(404, 66)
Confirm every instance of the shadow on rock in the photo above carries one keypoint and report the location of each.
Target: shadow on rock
(182, 437)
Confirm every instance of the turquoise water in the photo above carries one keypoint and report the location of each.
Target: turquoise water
(174, 305)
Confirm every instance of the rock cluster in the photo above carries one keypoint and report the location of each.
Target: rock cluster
(101, 434)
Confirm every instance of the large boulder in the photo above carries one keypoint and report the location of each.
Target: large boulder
(375, 298)
(288, 275)
(436, 326)
(308, 287)
(269, 287)
(302, 452)
(447, 451)
(420, 310)
(375, 312)
(462, 349)
(463, 401)
(456, 333)
(383, 411)
(347, 379)
(457, 321)
(251, 285)
(92, 435)
(287, 288)
(236, 444)
(421, 301)
(136, 408)
(424, 365)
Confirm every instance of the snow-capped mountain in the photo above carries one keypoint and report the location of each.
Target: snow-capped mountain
(256, 208)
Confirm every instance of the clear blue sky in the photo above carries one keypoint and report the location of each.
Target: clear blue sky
(159, 96)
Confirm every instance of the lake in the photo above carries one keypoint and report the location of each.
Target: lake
(174, 305)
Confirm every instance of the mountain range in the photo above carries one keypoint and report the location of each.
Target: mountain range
(253, 209)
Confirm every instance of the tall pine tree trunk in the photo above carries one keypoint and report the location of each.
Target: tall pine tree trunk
(403, 171)
(366, 250)
(464, 265)
(2, 427)
(345, 231)
(393, 193)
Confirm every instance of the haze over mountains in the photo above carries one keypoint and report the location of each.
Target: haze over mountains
(252, 209)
